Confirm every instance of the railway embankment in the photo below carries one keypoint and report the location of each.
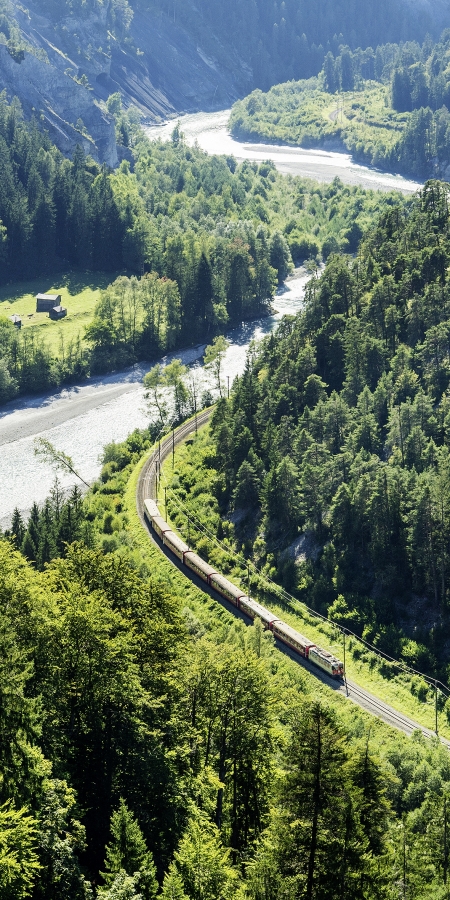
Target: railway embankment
(389, 699)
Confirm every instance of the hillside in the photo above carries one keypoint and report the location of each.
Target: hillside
(330, 465)
(178, 748)
(388, 108)
(63, 60)
(219, 234)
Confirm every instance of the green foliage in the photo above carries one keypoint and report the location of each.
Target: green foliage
(134, 318)
(19, 863)
(325, 822)
(128, 853)
(330, 463)
(213, 359)
(400, 124)
(59, 522)
(52, 208)
(179, 729)
(60, 841)
(161, 380)
(209, 239)
(124, 887)
(201, 863)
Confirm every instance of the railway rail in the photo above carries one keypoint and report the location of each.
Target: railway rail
(147, 488)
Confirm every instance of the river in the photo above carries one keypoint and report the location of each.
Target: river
(80, 420)
(210, 131)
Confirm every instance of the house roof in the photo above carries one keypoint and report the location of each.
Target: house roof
(54, 297)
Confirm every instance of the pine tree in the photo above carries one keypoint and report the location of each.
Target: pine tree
(47, 548)
(319, 843)
(173, 888)
(17, 527)
(204, 289)
(329, 70)
(202, 863)
(19, 864)
(28, 547)
(128, 853)
(248, 487)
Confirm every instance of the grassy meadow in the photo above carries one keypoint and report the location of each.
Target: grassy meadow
(79, 291)
(362, 122)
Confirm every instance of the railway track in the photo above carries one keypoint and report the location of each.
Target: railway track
(147, 489)
(147, 483)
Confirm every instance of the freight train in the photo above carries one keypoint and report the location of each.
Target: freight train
(281, 631)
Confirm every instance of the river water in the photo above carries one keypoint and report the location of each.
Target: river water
(80, 420)
(210, 131)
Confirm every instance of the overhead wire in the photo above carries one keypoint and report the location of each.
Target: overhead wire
(280, 592)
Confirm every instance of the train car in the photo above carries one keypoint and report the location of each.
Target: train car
(293, 638)
(246, 605)
(285, 633)
(199, 566)
(327, 662)
(160, 526)
(226, 588)
(150, 510)
(257, 611)
(175, 544)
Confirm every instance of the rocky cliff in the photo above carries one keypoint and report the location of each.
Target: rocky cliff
(44, 72)
(63, 67)
(63, 71)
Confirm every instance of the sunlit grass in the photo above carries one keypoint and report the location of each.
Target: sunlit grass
(79, 291)
(359, 120)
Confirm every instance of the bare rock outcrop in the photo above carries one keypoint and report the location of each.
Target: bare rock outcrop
(66, 109)
(73, 64)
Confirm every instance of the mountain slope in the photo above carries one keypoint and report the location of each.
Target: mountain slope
(63, 59)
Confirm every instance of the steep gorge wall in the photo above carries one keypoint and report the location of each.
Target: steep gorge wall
(165, 64)
(70, 66)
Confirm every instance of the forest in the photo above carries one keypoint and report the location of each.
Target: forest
(391, 107)
(201, 241)
(329, 464)
(278, 41)
(289, 40)
(153, 746)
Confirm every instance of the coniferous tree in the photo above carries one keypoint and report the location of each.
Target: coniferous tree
(17, 527)
(201, 865)
(127, 852)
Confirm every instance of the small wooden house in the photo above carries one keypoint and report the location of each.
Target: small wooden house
(16, 320)
(46, 302)
(58, 312)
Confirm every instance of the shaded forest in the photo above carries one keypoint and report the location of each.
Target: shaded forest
(279, 41)
(153, 747)
(331, 457)
(289, 40)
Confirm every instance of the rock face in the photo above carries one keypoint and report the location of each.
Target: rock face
(71, 65)
(65, 108)
(174, 73)
(74, 63)
(44, 80)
